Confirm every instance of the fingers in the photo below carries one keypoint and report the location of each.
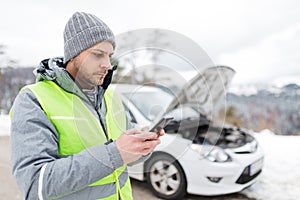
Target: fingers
(160, 133)
(132, 146)
(145, 128)
(149, 146)
(144, 136)
(143, 133)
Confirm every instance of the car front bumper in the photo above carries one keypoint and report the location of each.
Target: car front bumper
(209, 178)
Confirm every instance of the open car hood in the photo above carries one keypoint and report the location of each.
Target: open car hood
(204, 91)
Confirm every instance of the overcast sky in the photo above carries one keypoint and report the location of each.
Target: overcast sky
(260, 39)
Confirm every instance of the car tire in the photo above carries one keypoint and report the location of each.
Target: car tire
(165, 177)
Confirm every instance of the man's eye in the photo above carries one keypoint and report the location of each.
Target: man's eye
(98, 55)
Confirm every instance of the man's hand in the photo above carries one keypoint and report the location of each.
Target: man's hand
(133, 144)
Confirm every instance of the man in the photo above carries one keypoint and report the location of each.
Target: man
(68, 133)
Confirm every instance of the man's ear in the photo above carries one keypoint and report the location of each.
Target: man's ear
(72, 66)
(75, 62)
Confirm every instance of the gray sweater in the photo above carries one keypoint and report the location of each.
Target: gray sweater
(40, 172)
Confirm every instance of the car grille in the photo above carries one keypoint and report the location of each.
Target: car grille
(245, 176)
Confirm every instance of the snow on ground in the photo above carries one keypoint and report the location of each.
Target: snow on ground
(280, 178)
(4, 125)
(281, 175)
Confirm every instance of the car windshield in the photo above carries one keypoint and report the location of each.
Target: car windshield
(150, 103)
(184, 112)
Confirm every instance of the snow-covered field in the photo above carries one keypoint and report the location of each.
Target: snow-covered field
(4, 125)
(280, 178)
(281, 175)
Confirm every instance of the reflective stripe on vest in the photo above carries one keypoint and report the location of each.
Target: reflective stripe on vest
(79, 129)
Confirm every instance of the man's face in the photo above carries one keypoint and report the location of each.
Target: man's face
(90, 66)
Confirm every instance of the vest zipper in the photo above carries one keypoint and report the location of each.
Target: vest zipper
(103, 127)
(99, 115)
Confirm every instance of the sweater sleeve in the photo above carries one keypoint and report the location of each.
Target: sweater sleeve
(39, 170)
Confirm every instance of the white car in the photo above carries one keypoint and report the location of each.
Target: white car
(196, 155)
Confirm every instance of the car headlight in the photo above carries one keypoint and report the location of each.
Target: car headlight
(218, 155)
(212, 153)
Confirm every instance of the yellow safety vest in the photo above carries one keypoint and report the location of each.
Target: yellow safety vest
(79, 129)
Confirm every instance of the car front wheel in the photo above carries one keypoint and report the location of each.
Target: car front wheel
(165, 177)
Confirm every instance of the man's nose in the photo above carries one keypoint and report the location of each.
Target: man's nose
(106, 65)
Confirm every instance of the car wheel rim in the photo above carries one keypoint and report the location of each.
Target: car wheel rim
(165, 177)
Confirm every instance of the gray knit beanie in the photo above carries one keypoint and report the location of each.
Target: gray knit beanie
(82, 31)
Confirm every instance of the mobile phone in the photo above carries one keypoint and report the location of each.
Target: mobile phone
(160, 124)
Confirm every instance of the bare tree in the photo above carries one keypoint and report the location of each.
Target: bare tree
(149, 53)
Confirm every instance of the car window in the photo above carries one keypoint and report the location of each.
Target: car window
(184, 112)
(150, 103)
